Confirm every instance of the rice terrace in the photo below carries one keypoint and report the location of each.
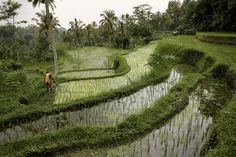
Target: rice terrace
(138, 78)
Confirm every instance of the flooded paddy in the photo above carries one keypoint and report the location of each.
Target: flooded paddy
(109, 113)
(87, 74)
(183, 136)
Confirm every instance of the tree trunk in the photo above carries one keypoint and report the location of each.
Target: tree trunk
(18, 55)
(13, 20)
(50, 37)
(89, 39)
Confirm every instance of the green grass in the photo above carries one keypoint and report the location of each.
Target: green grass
(221, 53)
(225, 129)
(218, 38)
(222, 34)
(22, 88)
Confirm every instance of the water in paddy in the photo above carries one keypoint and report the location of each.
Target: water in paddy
(87, 74)
(183, 136)
(109, 113)
(87, 58)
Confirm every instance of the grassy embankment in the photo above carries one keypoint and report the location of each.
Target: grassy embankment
(21, 87)
(217, 38)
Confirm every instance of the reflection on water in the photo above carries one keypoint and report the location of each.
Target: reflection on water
(113, 112)
(109, 113)
(184, 136)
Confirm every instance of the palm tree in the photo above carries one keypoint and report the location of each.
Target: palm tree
(42, 22)
(76, 28)
(94, 24)
(89, 32)
(48, 4)
(109, 20)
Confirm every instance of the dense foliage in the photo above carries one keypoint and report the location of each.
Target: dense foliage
(125, 31)
(25, 52)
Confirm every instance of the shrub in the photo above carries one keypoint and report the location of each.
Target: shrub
(219, 71)
(121, 65)
(23, 100)
(190, 56)
(223, 72)
(16, 65)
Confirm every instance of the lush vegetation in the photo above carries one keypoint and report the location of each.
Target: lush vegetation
(225, 132)
(97, 62)
(127, 31)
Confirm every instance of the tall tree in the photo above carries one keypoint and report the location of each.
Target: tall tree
(188, 16)
(142, 12)
(89, 30)
(76, 29)
(49, 4)
(109, 23)
(224, 12)
(42, 21)
(8, 10)
(173, 13)
(109, 20)
(204, 15)
(156, 21)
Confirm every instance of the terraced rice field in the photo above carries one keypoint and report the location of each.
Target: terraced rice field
(74, 90)
(109, 113)
(183, 136)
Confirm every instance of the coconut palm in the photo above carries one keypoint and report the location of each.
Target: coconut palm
(42, 21)
(76, 28)
(89, 32)
(109, 20)
(109, 23)
(48, 4)
(94, 24)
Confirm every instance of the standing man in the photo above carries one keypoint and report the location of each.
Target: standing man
(48, 80)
